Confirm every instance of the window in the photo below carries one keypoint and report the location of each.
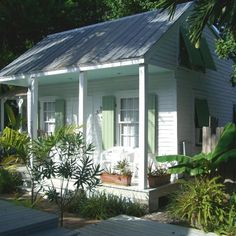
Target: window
(49, 117)
(129, 122)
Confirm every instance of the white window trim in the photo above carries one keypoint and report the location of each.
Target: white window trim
(42, 100)
(119, 96)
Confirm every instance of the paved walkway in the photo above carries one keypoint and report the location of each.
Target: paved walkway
(132, 226)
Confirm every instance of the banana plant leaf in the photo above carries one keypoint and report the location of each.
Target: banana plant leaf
(179, 158)
(179, 169)
(224, 157)
(197, 171)
(226, 142)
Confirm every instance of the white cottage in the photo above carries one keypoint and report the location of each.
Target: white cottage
(135, 82)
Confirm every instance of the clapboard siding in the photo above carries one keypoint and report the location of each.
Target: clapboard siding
(166, 53)
(163, 85)
(212, 85)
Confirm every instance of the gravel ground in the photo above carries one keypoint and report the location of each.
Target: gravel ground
(160, 216)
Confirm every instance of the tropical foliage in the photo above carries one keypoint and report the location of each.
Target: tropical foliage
(9, 180)
(65, 158)
(102, 206)
(205, 163)
(203, 204)
(221, 14)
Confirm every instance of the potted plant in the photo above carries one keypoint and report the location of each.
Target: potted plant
(120, 175)
(157, 176)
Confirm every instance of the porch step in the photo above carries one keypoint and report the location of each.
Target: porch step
(22, 221)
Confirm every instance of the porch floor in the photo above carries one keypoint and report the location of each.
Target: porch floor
(129, 226)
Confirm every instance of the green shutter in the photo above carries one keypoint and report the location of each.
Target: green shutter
(206, 55)
(108, 121)
(59, 113)
(193, 53)
(201, 113)
(152, 122)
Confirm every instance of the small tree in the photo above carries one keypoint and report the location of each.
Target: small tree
(65, 156)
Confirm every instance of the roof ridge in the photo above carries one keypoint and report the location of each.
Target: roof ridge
(102, 23)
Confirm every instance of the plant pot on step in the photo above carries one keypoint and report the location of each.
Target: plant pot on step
(124, 180)
(156, 181)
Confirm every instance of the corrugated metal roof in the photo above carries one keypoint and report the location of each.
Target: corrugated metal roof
(124, 38)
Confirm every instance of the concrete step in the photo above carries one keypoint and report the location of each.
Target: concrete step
(21, 221)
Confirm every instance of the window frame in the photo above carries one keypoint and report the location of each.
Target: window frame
(119, 96)
(42, 101)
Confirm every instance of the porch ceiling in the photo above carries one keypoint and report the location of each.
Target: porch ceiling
(70, 77)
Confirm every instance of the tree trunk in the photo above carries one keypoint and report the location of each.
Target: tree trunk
(61, 216)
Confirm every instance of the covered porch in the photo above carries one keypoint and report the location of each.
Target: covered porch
(87, 81)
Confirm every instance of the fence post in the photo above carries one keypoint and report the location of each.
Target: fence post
(206, 139)
(209, 141)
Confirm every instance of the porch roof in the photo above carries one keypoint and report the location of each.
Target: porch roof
(112, 41)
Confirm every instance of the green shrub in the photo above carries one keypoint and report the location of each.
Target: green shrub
(103, 206)
(201, 203)
(229, 227)
(9, 181)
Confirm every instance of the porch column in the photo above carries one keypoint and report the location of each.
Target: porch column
(143, 125)
(82, 102)
(3, 100)
(19, 104)
(32, 108)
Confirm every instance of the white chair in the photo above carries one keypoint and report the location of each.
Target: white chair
(111, 156)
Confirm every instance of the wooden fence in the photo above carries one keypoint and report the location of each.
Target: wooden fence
(209, 141)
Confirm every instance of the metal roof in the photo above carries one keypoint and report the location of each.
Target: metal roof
(125, 38)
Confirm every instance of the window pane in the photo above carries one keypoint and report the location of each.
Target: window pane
(129, 116)
(49, 117)
(45, 106)
(136, 116)
(53, 106)
(136, 105)
(129, 103)
(123, 103)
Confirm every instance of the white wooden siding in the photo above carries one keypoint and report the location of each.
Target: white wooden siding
(212, 85)
(164, 85)
(166, 52)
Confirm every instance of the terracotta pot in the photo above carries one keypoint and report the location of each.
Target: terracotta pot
(116, 179)
(156, 181)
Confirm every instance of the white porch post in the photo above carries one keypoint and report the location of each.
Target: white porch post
(82, 102)
(32, 108)
(19, 104)
(143, 125)
(3, 100)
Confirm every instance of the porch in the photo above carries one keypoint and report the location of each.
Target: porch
(80, 85)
